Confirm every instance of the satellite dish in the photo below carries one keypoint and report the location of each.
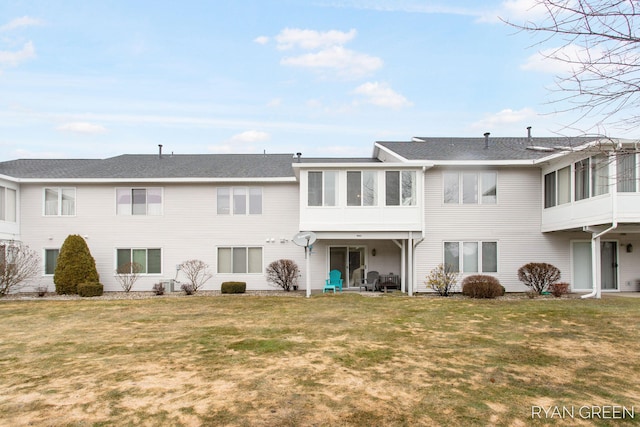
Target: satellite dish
(304, 238)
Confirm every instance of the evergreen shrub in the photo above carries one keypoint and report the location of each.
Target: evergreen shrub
(233, 287)
(91, 289)
(75, 265)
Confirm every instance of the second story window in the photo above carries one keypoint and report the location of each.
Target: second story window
(239, 200)
(139, 201)
(470, 188)
(322, 188)
(626, 165)
(59, 201)
(400, 188)
(362, 188)
(7, 204)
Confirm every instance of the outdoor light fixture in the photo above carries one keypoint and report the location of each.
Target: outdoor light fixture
(373, 252)
(629, 248)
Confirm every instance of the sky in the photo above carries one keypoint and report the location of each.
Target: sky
(327, 78)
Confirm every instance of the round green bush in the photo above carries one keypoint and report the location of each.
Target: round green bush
(482, 286)
(75, 265)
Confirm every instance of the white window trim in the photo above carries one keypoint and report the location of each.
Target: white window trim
(461, 256)
(262, 267)
(479, 181)
(59, 190)
(130, 212)
(247, 199)
(132, 248)
(44, 261)
(323, 189)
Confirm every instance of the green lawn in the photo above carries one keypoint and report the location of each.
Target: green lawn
(328, 360)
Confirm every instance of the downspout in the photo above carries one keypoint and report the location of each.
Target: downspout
(423, 225)
(596, 257)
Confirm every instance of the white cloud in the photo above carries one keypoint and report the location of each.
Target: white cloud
(347, 63)
(504, 117)
(14, 58)
(261, 40)
(24, 21)
(381, 95)
(241, 143)
(250, 136)
(290, 38)
(567, 59)
(515, 11)
(82, 127)
(275, 102)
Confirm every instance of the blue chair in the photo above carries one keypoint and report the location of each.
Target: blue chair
(334, 281)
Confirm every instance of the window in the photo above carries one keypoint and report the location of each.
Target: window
(139, 201)
(322, 188)
(400, 188)
(557, 187)
(470, 188)
(471, 256)
(59, 201)
(240, 260)
(362, 188)
(50, 260)
(581, 178)
(550, 190)
(564, 185)
(626, 164)
(7, 204)
(149, 259)
(239, 200)
(599, 175)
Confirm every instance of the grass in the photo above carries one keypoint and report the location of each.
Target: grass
(328, 360)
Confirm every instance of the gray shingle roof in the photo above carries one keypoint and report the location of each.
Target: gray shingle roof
(470, 149)
(152, 166)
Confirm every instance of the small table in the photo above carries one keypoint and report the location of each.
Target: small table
(386, 281)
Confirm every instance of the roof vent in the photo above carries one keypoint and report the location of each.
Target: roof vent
(159, 151)
(486, 139)
(529, 134)
(299, 155)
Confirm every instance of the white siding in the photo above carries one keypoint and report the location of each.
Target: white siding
(514, 222)
(189, 228)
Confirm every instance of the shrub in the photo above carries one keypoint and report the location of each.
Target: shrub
(197, 273)
(158, 289)
(538, 276)
(127, 274)
(90, 289)
(442, 279)
(283, 273)
(559, 289)
(188, 288)
(482, 286)
(75, 265)
(233, 287)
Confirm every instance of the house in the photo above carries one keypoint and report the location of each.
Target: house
(481, 205)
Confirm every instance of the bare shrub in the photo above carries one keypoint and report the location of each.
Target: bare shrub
(197, 273)
(158, 289)
(127, 274)
(188, 289)
(559, 289)
(538, 276)
(283, 273)
(482, 286)
(18, 265)
(442, 279)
